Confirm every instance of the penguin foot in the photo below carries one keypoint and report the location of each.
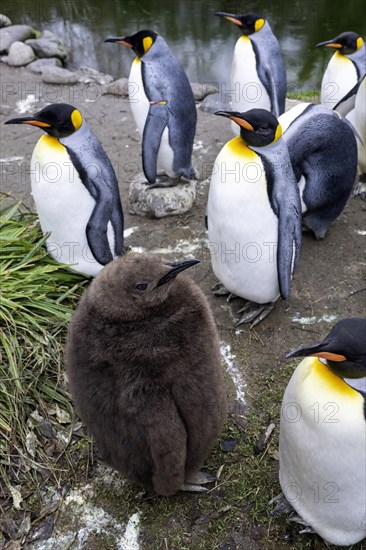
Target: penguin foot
(191, 488)
(220, 290)
(194, 481)
(282, 505)
(360, 188)
(254, 313)
(164, 181)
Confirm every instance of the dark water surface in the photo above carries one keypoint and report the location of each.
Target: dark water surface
(204, 43)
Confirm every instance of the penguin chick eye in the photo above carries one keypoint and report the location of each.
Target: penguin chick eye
(141, 286)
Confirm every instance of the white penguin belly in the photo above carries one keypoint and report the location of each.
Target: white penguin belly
(140, 106)
(247, 91)
(242, 228)
(339, 78)
(64, 206)
(323, 453)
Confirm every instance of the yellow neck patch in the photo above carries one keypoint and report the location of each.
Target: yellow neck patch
(51, 142)
(238, 147)
(259, 24)
(147, 43)
(76, 119)
(335, 384)
(359, 42)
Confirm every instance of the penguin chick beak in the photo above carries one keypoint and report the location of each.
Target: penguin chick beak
(236, 117)
(28, 120)
(177, 267)
(329, 44)
(230, 17)
(121, 40)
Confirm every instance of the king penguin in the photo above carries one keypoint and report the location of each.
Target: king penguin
(145, 374)
(323, 435)
(75, 190)
(357, 118)
(323, 152)
(163, 106)
(254, 215)
(345, 68)
(258, 75)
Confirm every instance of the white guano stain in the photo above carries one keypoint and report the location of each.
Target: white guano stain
(360, 232)
(233, 370)
(312, 320)
(26, 105)
(129, 231)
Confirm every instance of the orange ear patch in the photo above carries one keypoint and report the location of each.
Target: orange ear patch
(242, 123)
(331, 356)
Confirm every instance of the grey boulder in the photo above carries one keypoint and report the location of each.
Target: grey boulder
(57, 75)
(20, 54)
(118, 87)
(14, 33)
(159, 202)
(88, 75)
(200, 91)
(39, 65)
(48, 46)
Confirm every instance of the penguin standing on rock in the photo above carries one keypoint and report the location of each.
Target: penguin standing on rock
(163, 107)
(258, 75)
(144, 369)
(345, 68)
(75, 190)
(254, 215)
(323, 152)
(323, 435)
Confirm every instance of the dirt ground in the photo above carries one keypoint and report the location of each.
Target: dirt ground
(329, 284)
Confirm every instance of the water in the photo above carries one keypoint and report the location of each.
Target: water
(204, 43)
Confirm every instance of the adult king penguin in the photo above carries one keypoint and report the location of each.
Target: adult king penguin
(145, 373)
(323, 435)
(357, 117)
(258, 75)
(75, 190)
(323, 152)
(345, 68)
(163, 107)
(254, 215)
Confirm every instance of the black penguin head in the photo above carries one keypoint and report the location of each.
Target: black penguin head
(58, 120)
(248, 23)
(140, 42)
(346, 43)
(258, 127)
(343, 350)
(135, 284)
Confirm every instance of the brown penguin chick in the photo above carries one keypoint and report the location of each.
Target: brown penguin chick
(144, 371)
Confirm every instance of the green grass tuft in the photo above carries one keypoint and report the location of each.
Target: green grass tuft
(37, 299)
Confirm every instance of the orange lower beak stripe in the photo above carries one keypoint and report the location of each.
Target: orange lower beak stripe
(37, 123)
(233, 20)
(124, 43)
(331, 356)
(242, 123)
(334, 46)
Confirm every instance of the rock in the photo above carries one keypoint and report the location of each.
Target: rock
(57, 75)
(4, 59)
(48, 46)
(118, 87)
(160, 202)
(14, 33)
(200, 91)
(39, 65)
(20, 54)
(4, 21)
(87, 75)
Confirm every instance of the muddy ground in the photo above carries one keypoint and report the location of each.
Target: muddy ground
(329, 285)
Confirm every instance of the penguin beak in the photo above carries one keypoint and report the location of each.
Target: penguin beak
(316, 351)
(236, 117)
(177, 267)
(122, 40)
(230, 17)
(29, 120)
(329, 44)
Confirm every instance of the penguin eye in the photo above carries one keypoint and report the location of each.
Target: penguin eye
(141, 286)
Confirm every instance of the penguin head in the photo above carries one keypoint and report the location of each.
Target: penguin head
(258, 127)
(248, 23)
(135, 285)
(343, 350)
(139, 42)
(58, 120)
(346, 43)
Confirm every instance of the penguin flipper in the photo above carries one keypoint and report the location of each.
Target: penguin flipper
(156, 121)
(289, 245)
(96, 229)
(167, 441)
